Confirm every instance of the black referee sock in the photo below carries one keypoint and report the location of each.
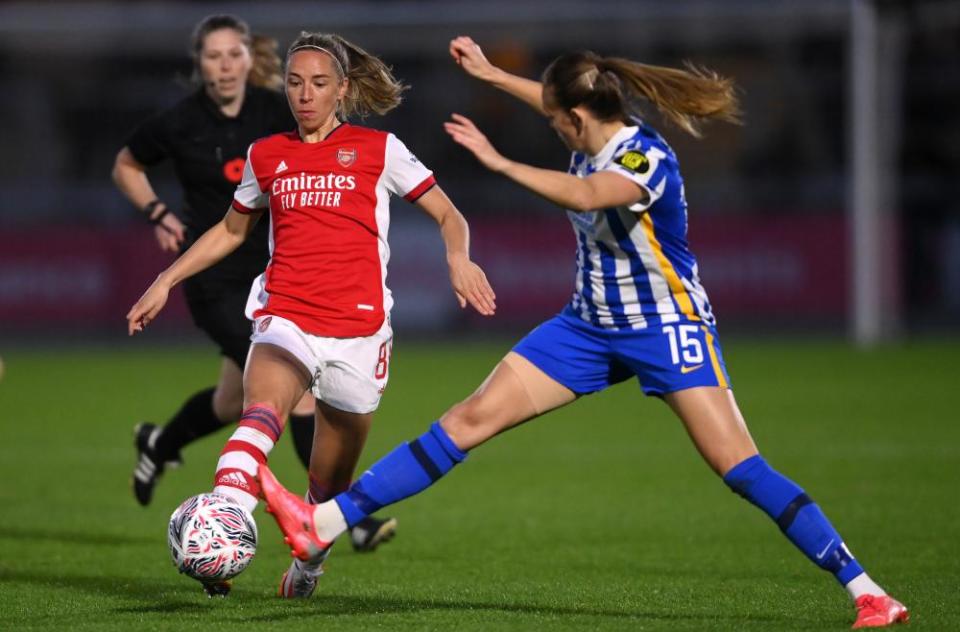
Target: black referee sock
(194, 420)
(301, 427)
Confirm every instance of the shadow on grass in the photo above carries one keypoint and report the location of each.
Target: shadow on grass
(339, 605)
(165, 607)
(186, 599)
(122, 587)
(72, 537)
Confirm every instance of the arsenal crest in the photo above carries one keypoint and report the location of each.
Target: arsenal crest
(346, 157)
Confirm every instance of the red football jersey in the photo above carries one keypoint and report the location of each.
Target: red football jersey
(329, 217)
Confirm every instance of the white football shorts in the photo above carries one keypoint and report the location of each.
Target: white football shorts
(348, 373)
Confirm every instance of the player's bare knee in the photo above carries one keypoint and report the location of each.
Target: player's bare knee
(470, 423)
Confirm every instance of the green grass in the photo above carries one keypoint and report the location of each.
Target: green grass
(600, 516)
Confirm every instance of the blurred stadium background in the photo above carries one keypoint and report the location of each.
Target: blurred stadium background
(829, 221)
(850, 122)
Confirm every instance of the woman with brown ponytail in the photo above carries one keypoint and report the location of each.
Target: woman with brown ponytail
(205, 135)
(321, 309)
(638, 309)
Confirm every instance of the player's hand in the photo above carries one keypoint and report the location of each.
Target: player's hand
(471, 286)
(170, 233)
(464, 132)
(468, 56)
(147, 308)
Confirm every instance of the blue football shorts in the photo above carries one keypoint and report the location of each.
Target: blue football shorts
(664, 358)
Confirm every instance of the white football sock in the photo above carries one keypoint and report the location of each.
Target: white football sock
(241, 497)
(863, 585)
(237, 468)
(329, 521)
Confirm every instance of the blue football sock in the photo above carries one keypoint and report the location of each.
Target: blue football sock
(800, 519)
(409, 469)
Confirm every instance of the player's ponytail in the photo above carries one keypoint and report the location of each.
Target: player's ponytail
(267, 70)
(608, 86)
(372, 87)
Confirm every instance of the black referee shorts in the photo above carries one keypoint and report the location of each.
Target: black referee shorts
(221, 317)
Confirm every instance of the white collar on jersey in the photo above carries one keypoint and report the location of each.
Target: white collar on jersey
(604, 155)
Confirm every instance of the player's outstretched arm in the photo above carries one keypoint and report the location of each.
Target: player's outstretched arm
(597, 191)
(468, 280)
(223, 238)
(470, 57)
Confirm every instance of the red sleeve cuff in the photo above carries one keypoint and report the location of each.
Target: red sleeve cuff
(244, 210)
(420, 189)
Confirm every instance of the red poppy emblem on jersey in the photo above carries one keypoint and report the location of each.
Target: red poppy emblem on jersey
(346, 157)
(233, 170)
(262, 327)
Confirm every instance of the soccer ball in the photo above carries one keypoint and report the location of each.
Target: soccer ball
(211, 537)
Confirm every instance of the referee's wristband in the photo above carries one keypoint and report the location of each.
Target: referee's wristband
(151, 207)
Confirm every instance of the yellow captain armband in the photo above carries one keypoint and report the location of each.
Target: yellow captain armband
(634, 161)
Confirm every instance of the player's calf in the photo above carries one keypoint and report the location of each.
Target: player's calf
(804, 524)
(258, 431)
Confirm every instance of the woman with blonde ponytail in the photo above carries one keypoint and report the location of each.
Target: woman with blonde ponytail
(321, 309)
(205, 136)
(638, 309)
(237, 76)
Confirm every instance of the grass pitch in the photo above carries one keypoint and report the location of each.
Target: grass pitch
(600, 516)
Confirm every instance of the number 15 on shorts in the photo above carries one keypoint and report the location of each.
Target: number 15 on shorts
(684, 342)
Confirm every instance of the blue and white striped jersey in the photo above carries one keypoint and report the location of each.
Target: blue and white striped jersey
(634, 269)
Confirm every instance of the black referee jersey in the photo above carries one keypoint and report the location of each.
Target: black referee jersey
(208, 151)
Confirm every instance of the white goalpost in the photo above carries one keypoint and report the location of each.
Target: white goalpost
(875, 84)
